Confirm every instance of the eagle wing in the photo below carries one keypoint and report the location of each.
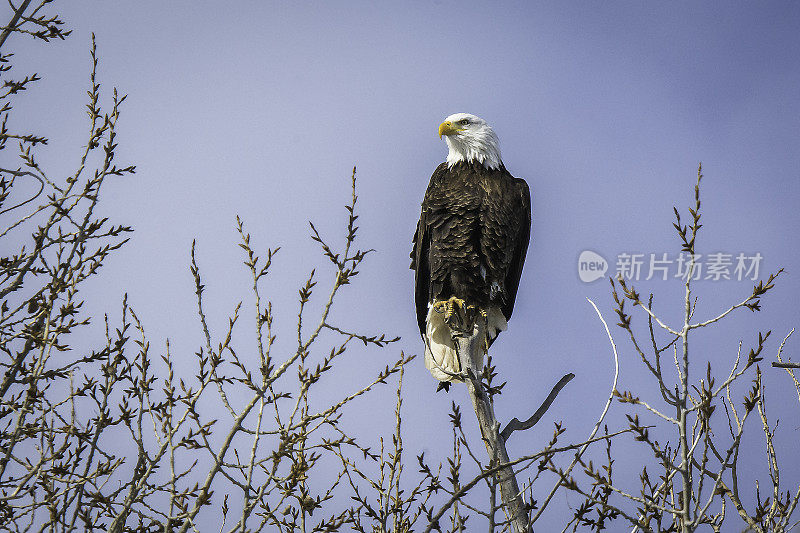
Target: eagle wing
(420, 253)
(421, 267)
(520, 247)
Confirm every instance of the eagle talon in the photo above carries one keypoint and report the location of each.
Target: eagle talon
(459, 315)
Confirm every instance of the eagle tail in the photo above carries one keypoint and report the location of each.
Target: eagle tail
(441, 358)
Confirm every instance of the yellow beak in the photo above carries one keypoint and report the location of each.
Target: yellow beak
(447, 128)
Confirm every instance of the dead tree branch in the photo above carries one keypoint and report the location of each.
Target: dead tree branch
(515, 424)
(470, 349)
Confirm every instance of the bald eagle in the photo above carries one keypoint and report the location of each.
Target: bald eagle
(471, 240)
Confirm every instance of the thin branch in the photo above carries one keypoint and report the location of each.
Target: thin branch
(14, 20)
(585, 445)
(786, 365)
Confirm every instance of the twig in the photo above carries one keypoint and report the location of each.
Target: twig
(32, 198)
(13, 24)
(786, 365)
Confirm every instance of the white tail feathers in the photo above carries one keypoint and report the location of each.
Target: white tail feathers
(440, 352)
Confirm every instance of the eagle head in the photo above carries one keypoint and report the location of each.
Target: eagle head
(470, 138)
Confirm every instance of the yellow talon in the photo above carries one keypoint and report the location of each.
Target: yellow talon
(448, 310)
(458, 314)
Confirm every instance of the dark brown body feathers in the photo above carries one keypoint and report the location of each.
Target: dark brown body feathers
(471, 238)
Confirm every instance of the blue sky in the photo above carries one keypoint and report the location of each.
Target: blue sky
(262, 109)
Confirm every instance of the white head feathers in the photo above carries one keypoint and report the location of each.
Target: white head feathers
(469, 139)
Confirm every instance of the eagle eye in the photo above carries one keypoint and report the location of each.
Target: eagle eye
(464, 121)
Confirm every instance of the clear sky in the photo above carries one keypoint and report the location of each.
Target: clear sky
(605, 108)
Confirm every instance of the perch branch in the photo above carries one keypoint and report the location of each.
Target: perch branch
(470, 346)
